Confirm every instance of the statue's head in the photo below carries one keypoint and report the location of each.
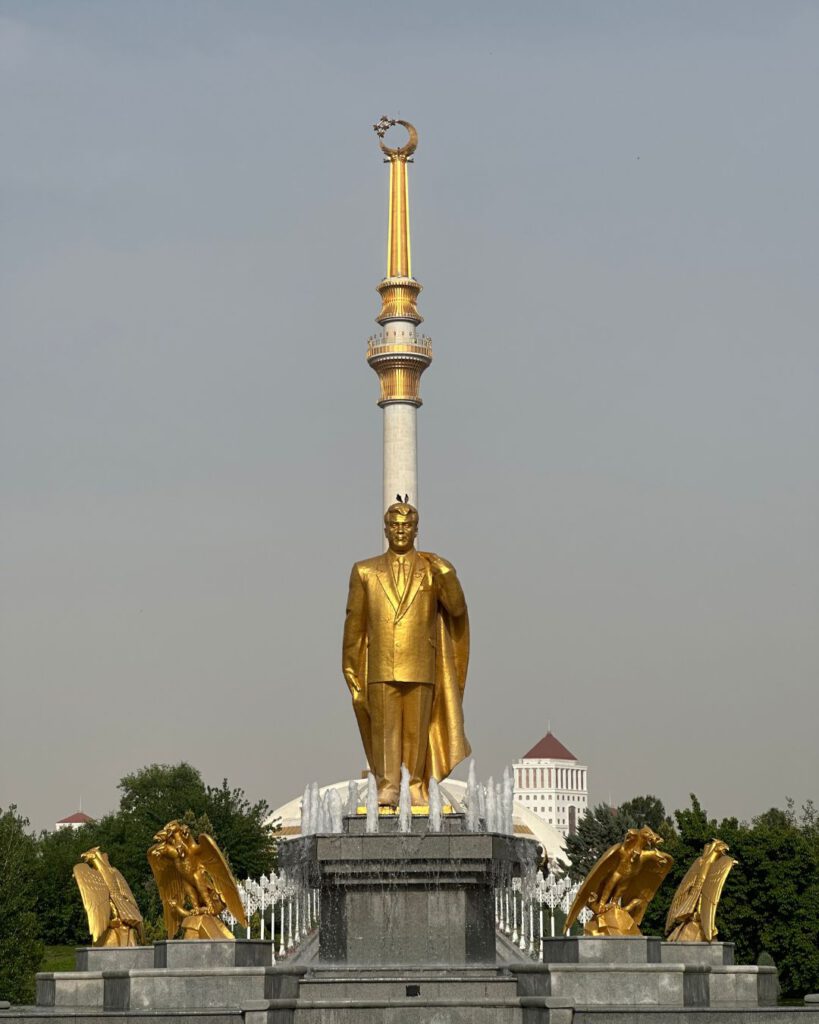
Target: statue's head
(716, 848)
(643, 838)
(173, 830)
(401, 526)
(650, 838)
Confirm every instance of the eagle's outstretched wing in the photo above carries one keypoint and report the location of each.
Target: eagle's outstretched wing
(94, 893)
(123, 900)
(685, 898)
(216, 866)
(169, 884)
(711, 892)
(593, 882)
(645, 881)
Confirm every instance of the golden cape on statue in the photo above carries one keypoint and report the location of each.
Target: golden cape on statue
(405, 656)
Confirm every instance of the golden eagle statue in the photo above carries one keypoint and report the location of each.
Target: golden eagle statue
(693, 911)
(195, 883)
(113, 915)
(622, 884)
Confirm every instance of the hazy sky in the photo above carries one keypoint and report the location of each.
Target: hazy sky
(614, 214)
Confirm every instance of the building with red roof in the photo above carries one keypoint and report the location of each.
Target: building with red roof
(552, 783)
(75, 820)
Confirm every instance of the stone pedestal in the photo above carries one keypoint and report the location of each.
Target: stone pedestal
(113, 958)
(603, 949)
(180, 953)
(717, 954)
(408, 900)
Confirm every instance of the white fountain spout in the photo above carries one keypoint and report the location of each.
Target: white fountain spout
(315, 808)
(372, 804)
(473, 819)
(508, 801)
(305, 811)
(404, 802)
(352, 798)
(324, 814)
(435, 807)
(491, 807)
(334, 811)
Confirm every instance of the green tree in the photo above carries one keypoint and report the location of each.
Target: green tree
(604, 826)
(770, 903)
(59, 907)
(644, 810)
(151, 797)
(596, 831)
(20, 947)
(240, 829)
(684, 844)
(778, 872)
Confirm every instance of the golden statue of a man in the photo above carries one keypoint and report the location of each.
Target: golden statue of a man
(405, 653)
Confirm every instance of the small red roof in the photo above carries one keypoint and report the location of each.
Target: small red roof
(78, 818)
(550, 747)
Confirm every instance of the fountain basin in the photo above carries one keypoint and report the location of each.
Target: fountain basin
(407, 899)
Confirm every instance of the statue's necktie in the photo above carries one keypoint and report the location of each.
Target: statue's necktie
(400, 576)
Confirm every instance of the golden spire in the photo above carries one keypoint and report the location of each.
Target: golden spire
(399, 290)
(399, 355)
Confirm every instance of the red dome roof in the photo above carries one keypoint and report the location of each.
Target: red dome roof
(78, 818)
(550, 747)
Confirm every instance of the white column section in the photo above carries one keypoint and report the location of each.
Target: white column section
(400, 453)
(400, 432)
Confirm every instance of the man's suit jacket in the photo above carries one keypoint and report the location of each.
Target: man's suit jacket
(398, 635)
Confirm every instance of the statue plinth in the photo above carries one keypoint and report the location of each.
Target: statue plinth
(409, 899)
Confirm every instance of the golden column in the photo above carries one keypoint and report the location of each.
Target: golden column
(399, 355)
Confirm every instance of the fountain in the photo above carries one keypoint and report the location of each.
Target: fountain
(407, 917)
(417, 893)
(491, 807)
(473, 809)
(372, 804)
(352, 798)
(435, 806)
(404, 802)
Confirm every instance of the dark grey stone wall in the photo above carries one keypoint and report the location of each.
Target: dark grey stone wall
(407, 899)
(212, 953)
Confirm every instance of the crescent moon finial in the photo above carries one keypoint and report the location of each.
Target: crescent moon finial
(381, 128)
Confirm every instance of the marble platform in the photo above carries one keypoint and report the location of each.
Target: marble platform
(416, 911)
(416, 899)
(587, 981)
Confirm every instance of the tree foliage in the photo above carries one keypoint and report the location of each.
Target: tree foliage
(770, 904)
(604, 826)
(20, 947)
(150, 798)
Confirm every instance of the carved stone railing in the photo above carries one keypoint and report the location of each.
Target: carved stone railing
(521, 904)
(293, 911)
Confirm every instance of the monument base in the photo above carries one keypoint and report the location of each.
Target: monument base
(407, 936)
(407, 900)
(597, 981)
(717, 954)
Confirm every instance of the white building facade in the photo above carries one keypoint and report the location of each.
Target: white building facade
(553, 784)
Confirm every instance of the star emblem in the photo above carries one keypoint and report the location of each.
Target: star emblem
(383, 126)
